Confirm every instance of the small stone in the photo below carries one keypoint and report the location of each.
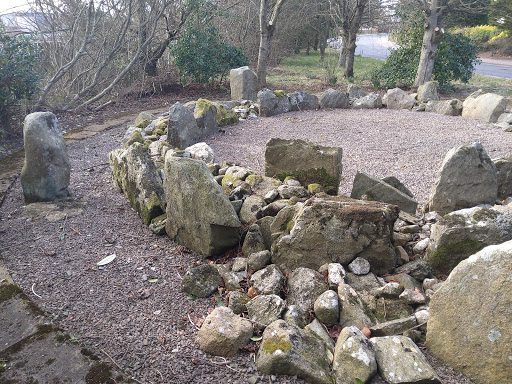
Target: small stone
(400, 239)
(270, 196)
(326, 308)
(391, 290)
(239, 264)
(258, 260)
(420, 246)
(268, 281)
(429, 283)
(393, 327)
(238, 301)
(410, 228)
(265, 309)
(412, 297)
(403, 256)
(422, 318)
(295, 315)
(417, 269)
(318, 329)
(359, 266)
(201, 281)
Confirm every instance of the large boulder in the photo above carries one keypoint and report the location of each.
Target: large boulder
(467, 178)
(469, 325)
(332, 98)
(182, 130)
(223, 333)
(401, 361)
(304, 161)
(199, 214)
(462, 233)
(354, 92)
(205, 113)
(504, 169)
(135, 174)
(273, 103)
(301, 101)
(428, 91)
(288, 350)
(451, 107)
(371, 101)
(45, 173)
(243, 83)
(397, 99)
(484, 106)
(378, 190)
(337, 230)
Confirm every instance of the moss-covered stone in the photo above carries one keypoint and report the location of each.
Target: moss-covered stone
(144, 119)
(274, 343)
(313, 176)
(447, 256)
(203, 105)
(136, 137)
(279, 93)
(225, 117)
(315, 188)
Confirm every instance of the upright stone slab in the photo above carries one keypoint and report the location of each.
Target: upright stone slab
(205, 113)
(273, 103)
(398, 99)
(469, 326)
(332, 98)
(243, 83)
(428, 91)
(504, 169)
(304, 161)
(135, 174)
(45, 174)
(467, 178)
(182, 130)
(484, 106)
(199, 213)
(337, 230)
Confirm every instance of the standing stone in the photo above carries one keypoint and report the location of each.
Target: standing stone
(182, 131)
(199, 214)
(332, 98)
(327, 308)
(304, 161)
(397, 99)
(243, 83)
(467, 178)
(504, 169)
(205, 113)
(479, 343)
(484, 106)
(428, 91)
(45, 173)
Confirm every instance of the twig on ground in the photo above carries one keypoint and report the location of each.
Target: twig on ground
(191, 322)
(94, 166)
(113, 361)
(34, 292)
(103, 106)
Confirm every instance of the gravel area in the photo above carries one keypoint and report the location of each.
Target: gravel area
(408, 145)
(148, 328)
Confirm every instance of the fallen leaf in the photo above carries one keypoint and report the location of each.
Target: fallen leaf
(152, 280)
(191, 297)
(256, 338)
(106, 260)
(252, 292)
(366, 331)
(220, 303)
(330, 356)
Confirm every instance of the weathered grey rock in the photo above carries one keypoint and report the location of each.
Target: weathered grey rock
(359, 266)
(250, 208)
(451, 107)
(304, 287)
(505, 118)
(289, 191)
(239, 264)
(295, 315)
(422, 318)
(135, 174)
(268, 281)
(412, 297)
(354, 92)
(225, 114)
(272, 209)
(205, 113)
(273, 103)
(398, 99)
(337, 229)
(288, 350)
(223, 333)
(265, 309)
(467, 177)
(258, 260)
(406, 281)
(504, 170)
(478, 343)
(335, 274)
(201, 151)
(199, 214)
(243, 83)
(401, 361)
(332, 98)
(428, 91)
(201, 281)
(46, 171)
(462, 233)
(352, 310)
(262, 185)
(421, 246)
(304, 161)
(417, 269)
(354, 357)
(318, 329)
(367, 282)
(238, 301)
(390, 291)
(395, 183)
(378, 190)
(253, 241)
(326, 308)
(302, 101)
(182, 131)
(371, 101)
(484, 106)
(393, 327)
(144, 119)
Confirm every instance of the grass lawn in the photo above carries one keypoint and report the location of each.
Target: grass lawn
(307, 73)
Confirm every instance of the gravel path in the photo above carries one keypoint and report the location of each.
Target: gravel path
(147, 327)
(408, 145)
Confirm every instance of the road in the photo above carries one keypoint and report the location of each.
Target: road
(377, 46)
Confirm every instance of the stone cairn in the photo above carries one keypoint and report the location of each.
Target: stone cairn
(330, 288)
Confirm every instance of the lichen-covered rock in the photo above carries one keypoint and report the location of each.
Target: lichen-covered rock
(225, 115)
(451, 107)
(265, 309)
(332, 98)
(504, 170)
(243, 83)
(484, 106)
(201, 281)
(304, 287)
(371, 101)
(205, 113)
(462, 233)
(397, 99)
(401, 361)
(182, 131)
(273, 103)
(46, 171)
(288, 350)
(467, 178)
(295, 315)
(327, 308)
(354, 357)
(393, 327)
(135, 174)
(302, 101)
(352, 309)
(304, 161)
(253, 241)
(238, 301)
(318, 329)
(336, 230)
(201, 151)
(428, 91)
(268, 281)
(418, 269)
(258, 260)
(223, 333)
(199, 214)
(250, 208)
(479, 343)
(262, 185)
(359, 266)
(144, 119)
(390, 290)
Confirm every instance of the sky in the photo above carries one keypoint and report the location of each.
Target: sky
(7, 6)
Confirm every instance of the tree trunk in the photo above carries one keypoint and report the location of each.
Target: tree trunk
(264, 50)
(431, 38)
(350, 51)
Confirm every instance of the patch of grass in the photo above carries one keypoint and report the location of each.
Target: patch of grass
(489, 84)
